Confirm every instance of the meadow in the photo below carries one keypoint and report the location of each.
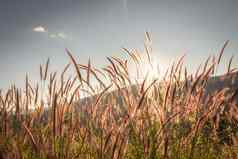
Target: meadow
(119, 117)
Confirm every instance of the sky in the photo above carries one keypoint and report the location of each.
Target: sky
(33, 30)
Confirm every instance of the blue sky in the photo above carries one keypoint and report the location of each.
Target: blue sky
(33, 30)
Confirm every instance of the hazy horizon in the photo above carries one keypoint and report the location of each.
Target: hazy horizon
(32, 31)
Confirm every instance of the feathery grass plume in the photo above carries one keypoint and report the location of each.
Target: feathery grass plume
(54, 110)
(4, 112)
(1, 98)
(148, 48)
(88, 72)
(206, 64)
(94, 72)
(83, 66)
(220, 56)
(195, 83)
(100, 72)
(122, 77)
(36, 93)
(148, 55)
(143, 96)
(124, 74)
(110, 72)
(120, 147)
(41, 72)
(115, 145)
(222, 52)
(66, 85)
(229, 65)
(46, 69)
(113, 65)
(97, 78)
(121, 63)
(73, 95)
(133, 57)
(209, 71)
(75, 65)
(91, 88)
(31, 90)
(173, 94)
(108, 137)
(17, 104)
(179, 63)
(142, 89)
(27, 94)
(62, 78)
(65, 70)
(233, 97)
(52, 81)
(101, 95)
(53, 76)
(148, 36)
(198, 71)
(137, 54)
(174, 118)
(214, 63)
(33, 141)
(166, 96)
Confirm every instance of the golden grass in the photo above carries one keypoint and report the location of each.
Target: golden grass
(171, 118)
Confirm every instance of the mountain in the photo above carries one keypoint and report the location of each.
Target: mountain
(216, 83)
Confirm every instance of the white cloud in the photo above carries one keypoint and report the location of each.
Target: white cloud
(53, 35)
(40, 29)
(59, 35)
(62, 35)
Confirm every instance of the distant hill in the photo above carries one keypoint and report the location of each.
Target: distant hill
(214, 84)
(217, 83)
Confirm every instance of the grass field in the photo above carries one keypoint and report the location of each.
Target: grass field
(122, 118)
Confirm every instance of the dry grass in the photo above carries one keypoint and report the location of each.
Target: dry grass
(172, 118)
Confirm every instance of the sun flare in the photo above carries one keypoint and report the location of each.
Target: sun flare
(150, 69)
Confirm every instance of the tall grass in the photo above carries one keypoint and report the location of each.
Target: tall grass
(169, 118)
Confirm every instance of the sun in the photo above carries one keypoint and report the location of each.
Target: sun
(150, 69)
